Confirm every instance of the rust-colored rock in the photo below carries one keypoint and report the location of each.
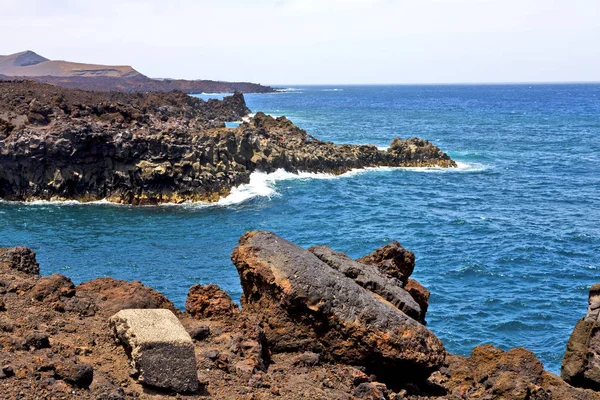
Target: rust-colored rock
(308, 306)
(52, 288)
(490, 373)
(208, 302)
(393, 260)
(114, 295)
(420, 294)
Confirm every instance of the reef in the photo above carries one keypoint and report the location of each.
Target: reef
(152, 148)
(313, 324)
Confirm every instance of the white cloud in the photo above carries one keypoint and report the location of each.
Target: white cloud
(318, 41)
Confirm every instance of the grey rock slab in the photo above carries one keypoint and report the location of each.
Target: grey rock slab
(370, 278)
(160, 349)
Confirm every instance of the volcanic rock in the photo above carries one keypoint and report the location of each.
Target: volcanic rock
(420, 294)
(581, 362)
(160, 349)
(19, 259)
(372, 279)
(159, 147)
(113, 295)
(393, 260)
(308, 306)
(209, 301)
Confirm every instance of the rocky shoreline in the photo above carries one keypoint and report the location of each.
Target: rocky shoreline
(313, 324)
(152, 148)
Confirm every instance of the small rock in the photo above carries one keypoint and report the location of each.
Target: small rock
(6, 372)
(80, 375)
(37, 340)
(370, 391)
(199, 332)
(307, 358)
(20, 259)
(2, 304)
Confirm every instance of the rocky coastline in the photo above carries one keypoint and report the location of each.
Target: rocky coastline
(313, 324)
(152, 148)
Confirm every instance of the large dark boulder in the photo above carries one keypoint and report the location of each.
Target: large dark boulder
(308, 306)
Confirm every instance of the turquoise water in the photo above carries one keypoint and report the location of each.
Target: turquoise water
(508, 243)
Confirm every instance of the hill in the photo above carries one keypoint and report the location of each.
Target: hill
(32, 66)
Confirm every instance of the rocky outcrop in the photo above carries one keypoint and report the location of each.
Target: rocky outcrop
(393, 260)
(160, 349)
(490, 373)
(581, 362)
(159, 147)
(19, 259)
(55, 340)
(306, 305)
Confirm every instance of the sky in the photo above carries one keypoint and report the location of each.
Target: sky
(318, 41)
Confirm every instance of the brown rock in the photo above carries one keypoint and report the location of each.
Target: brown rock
(80, 375)
(308, 306)
(113, 295)
(420, 294)
(208, 302)
(52, 288)
(393, 260)
(19, 259)
(581, 362)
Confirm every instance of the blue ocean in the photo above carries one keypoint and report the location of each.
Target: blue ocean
(508, 243)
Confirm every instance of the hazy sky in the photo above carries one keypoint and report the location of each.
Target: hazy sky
(318, 41)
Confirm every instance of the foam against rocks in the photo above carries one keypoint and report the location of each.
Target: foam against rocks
(160, 349)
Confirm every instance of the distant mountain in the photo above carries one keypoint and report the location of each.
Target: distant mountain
(30, 65)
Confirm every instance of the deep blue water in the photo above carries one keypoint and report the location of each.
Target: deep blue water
(508, 244)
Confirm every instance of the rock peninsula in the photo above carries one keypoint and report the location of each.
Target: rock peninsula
(152, 148)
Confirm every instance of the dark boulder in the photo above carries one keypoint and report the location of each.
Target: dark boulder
(308, 306)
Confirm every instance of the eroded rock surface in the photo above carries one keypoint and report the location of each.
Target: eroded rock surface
(160, 349)
(372, 279)
(308, 306)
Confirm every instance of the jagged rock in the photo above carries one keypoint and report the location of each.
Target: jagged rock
(372, 279)
(490, 373)
(420, 294)
(581, 362)
(112, 295)
(393, 260)
(370, 391)
(209, 301)
(160, 349)
(308, 306)
(19, 259)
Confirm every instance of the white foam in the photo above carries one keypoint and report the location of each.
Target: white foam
(333, 90)
(263, 184)
(289, 90)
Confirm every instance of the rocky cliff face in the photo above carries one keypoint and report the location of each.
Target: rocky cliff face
(313, 325)
(159, 147)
